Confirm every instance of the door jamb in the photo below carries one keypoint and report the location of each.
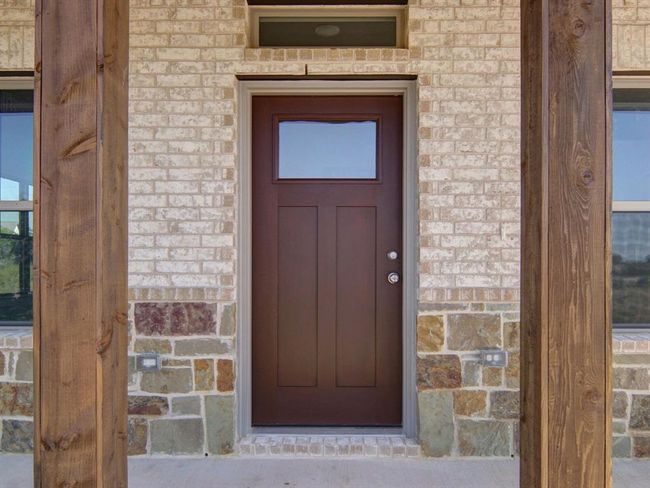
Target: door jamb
(406, 88)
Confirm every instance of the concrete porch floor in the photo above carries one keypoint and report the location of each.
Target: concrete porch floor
(247, 472)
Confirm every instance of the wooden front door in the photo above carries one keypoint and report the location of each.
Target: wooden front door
(327, 242)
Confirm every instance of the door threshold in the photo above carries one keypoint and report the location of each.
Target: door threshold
(380, 431)
(328, 445)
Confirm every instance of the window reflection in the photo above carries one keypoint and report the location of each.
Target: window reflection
(631, 144)
(16, 284)
(631, 268)
(16, 146)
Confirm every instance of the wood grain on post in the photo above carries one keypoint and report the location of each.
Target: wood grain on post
(81, 243)
(566, 284)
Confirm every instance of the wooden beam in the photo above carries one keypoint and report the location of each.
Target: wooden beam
(566, 166)
(81, 243)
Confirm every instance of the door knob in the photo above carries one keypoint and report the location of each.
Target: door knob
(393, 278)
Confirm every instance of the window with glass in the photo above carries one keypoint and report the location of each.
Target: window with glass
(313, 27)
(631, 206)
(16, 206)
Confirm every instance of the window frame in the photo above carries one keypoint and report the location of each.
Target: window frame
(16, 83)
(368, 11)
(629, 206)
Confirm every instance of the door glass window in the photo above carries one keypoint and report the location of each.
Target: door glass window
(327, 149)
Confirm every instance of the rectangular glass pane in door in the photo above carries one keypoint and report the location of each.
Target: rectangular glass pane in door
(327, 149)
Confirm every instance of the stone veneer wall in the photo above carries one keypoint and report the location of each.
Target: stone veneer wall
(185, 55)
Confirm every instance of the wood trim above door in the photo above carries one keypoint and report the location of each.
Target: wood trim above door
(405, 88)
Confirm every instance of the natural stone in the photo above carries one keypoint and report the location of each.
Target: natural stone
(620, 405)
(619, 426)
(17, 436)
(158, 346)
(227, 322)
(483, 438)
(640, 412)
(137, 435)
(469, 403)
(513, 371)
(177, 436)
(203, 374)
(175, 319)
(471, 331)
(436, 415)
(504, 404)
(16, 399)
(641, 447)
(175, 363)
(219, 417)
(511, 336)
(190, 405)
(24, 366)
(438, 371)
(200, 347)
(167, 380)
(631, 379)
(471, 373)
(147, 405)
(431, 333)
(621, 447)
(225, 375)
(640, 359)
(492, 376)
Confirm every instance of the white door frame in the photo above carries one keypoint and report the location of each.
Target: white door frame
(247, 89)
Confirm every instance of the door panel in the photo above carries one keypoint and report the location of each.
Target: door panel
(326, 322)
(297, 296)
(356, 272)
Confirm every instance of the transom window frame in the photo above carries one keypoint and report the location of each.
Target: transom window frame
(630, 206)
(16, 83)
(368, 11)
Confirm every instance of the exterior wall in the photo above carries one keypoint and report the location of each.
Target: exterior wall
(183, 218)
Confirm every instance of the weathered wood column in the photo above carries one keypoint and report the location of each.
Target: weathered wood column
(81, 243)
(566, 162)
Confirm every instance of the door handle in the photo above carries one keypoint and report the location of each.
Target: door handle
(393, 278)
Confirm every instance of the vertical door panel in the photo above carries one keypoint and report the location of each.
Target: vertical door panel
(297, 292)
(356, 271)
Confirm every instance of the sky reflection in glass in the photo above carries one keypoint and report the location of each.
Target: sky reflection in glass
(328, 150)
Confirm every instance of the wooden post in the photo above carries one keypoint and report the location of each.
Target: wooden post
(566, 165)
(81, 243)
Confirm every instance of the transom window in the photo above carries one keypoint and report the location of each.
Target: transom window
(327, 27)
(16, 205)
(631, 206)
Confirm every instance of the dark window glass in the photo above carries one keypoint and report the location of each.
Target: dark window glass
(16, 144)
(328, 150)
(328, 31)
(631, 144)
(631, 268)
(16, 284)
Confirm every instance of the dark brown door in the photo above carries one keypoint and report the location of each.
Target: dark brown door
(327, 234)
